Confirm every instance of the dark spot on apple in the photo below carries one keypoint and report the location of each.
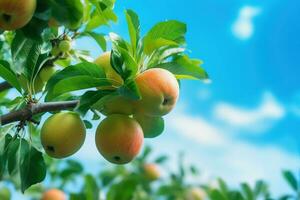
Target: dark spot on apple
(50, 148)
(117, 158)
(166, 101)
(6, 17)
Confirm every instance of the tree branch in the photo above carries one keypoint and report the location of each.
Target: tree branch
(4, 86)
(32, 109)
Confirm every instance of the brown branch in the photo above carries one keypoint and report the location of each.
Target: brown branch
(4, 86)
(25, 114)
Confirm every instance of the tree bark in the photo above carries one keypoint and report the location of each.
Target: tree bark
(28, 112)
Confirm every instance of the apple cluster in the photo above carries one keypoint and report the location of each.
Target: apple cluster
(119, 137)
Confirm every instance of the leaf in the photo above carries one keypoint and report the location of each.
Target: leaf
(7, 74)
(88, 124)
(166, 33)
(35, 28)
(161, 159)
(249, 195)
(25, 54)
(133, 28)
(88, 99)
(91, 189)
(184, 68)
(130, 90)
(117, 41)
(291, 179)
(25, 163)
(68, 12)
(98, 37)
(216, 195)
(33, 168)
(102, 15)
(162, 54)
(77, 77)
(4, 142)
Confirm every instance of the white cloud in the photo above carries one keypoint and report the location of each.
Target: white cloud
(219, 154)
(256, 119)
(243, 27)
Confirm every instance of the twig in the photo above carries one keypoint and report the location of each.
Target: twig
(25, 114)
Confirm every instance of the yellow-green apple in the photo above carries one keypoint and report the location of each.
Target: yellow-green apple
(117, 105)
(5, 194)
(65, 46)
(119, 138)
(54, 194)
(63, 134)
(195, 193)
(15, 14)
(151, 171)
(46, 73)
(152, 126)
(103, 61)
(159, 91)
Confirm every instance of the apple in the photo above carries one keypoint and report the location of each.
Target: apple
(46, 73)
(65, 46)
(152, 126)
(5, 194)
(54, 194)
(159, 91)
(195, 193)
(63, 134)
(119, 138)
(151, 171)
(103, 61)
(15, 14)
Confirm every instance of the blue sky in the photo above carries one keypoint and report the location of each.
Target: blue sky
(244, 125)
(246, 121)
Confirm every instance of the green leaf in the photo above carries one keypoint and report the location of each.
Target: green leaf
(88, 99)
(161, 159)
(91, 189)
(68, 12)
(88, 124)
(117, 41)
(102, 15)
(98, 37)
(77, 77)
(25, 54)
(184, 68)
(291, 179)
(164, 34)
(248, 193)
(162, 54)
(35, 28)
(25, 163)
(133, 28)
(7, 74)
(33, 168)
(216, 195)
(130, 90)
(4, 142)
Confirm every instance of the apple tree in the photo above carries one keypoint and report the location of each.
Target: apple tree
(132, 83)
